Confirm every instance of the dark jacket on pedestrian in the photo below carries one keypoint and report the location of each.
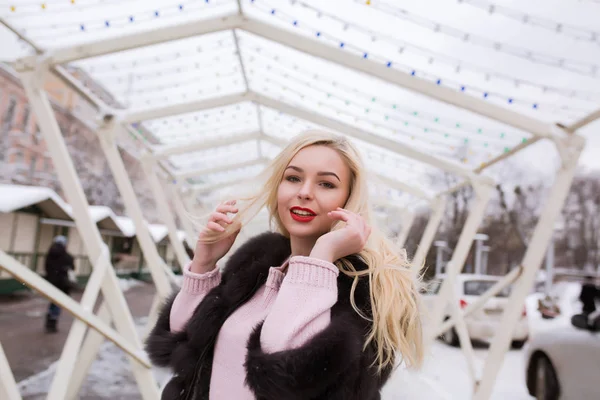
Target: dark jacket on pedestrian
(589, 294)
(332, 365)
(58, 262)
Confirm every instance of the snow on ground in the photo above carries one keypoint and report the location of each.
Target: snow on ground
(567, 298)
(127, 283)
(444, 376)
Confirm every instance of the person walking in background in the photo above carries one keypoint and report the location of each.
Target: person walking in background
(588, 295)
(57, 265)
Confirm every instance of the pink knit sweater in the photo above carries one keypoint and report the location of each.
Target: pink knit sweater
(295, 306)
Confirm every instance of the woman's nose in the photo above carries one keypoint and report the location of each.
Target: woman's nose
(305, 192)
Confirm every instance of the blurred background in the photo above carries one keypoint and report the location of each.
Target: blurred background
(441, 98)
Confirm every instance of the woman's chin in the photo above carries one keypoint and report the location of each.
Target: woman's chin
(302, 232)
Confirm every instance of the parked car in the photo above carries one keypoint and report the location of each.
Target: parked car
(482, 324)
(563, 363)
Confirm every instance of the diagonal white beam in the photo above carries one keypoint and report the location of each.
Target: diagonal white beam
(183, 108)
(361, 134)
(166, 151)
(393, 183)
(138, 39)
(222, 168)
(584, 121)
(416, 84)
(330, 123)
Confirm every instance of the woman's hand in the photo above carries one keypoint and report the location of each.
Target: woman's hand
(340, 243)
(207, 254)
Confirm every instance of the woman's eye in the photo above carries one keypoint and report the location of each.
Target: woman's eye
(328, 185)
(292, 178)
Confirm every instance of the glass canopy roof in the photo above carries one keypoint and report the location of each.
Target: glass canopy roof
(540, 59)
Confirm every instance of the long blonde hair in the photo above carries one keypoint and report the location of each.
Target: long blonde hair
(396, 323)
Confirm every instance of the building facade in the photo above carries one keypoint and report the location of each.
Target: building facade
(25, 160)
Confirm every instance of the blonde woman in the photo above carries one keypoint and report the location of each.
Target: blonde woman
(320, 309)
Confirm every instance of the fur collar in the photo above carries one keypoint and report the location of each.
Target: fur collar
(337, 350)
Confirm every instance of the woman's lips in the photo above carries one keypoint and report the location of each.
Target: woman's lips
(302, 218)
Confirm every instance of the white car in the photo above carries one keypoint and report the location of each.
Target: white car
(482, 324)
(563, 363)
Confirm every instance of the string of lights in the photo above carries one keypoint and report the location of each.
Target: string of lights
(184, 126)
(221, 132)
(487, 143)
(391, 63)
(379, 100)
(23, 9)
(206, 129)
(123, 20)
(184, 96)
(158, 60)
(370, 151)
(457, 64)
(258, 51)
(574, 32)
(392, 131)
(176, 84)
(368, 109)
(463, 151)
(576, 66)
(163, 69)
(198, 118)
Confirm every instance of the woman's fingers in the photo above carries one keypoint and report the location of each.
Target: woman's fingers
(339, 215)
(226, 208)
(352, 219)
(215, 227)
(220, 217)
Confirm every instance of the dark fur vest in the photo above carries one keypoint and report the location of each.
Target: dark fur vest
(332, 365)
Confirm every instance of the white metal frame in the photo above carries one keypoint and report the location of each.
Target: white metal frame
(103, 274)
(568, 144)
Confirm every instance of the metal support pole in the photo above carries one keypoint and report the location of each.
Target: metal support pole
(184, 217)
(438, 206)
(87, 355)
(441, 246)
(549, 267)
(155, 263)
(39, 284)
(8, 385)
(462, 332)
(162, 204)
(483, 194)
(532, 260)
(479, 238)
(408, 218)
(481, 300)
(103, 273)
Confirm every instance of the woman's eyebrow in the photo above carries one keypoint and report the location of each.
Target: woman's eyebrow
(320, 173)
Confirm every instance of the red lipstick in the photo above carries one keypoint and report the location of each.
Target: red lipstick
(305, 215)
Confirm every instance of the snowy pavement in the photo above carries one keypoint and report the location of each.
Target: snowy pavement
(444, 376)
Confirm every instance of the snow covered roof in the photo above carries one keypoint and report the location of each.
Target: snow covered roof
(105, 218)
(465, 83)
(16, 197)
(126, 225)
(158, 232)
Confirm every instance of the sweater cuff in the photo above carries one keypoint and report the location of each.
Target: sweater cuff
(313, 272)
(194, 283)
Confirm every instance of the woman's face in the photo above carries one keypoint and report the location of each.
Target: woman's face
(315, 182)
